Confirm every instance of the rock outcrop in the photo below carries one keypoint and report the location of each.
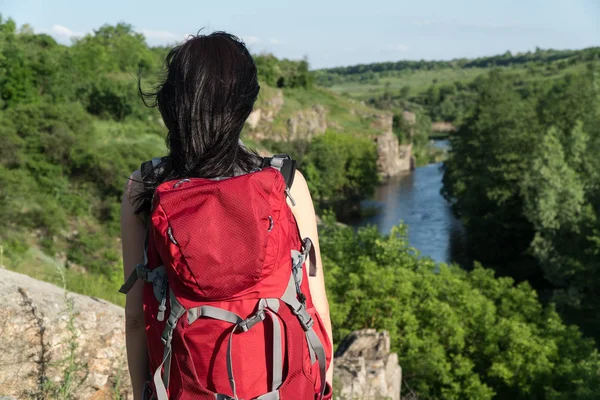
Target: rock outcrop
(40, 326)
(365, 369)
(443, 127)
(410, 119)
(393, 158)
(261, 117)
(307, 123)
(303, 124)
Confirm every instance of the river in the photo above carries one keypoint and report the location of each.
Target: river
(415, 199)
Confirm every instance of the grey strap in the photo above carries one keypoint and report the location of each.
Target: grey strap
(161, 388)
(274, 395)
(298, 309)
(264, 308)
(319, 350)
(214, 313)
(132, 279)
(306, 321)
(230, 364)
(277, 353)
(161, 385)
(140, 269)
(267, 396)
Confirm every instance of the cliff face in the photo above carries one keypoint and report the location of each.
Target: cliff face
(273, 118)
(307, 123)
(302, 124)
(393, 158)
(40, 328)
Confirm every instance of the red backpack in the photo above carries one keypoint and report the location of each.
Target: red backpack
(227, 303)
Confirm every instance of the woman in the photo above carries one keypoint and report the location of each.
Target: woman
(208, 92)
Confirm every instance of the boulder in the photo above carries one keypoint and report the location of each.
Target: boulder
(42, 326)
(365, 369)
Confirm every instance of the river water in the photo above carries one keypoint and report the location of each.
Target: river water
(414, 198)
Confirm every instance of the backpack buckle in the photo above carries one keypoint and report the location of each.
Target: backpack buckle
(142, 272)
(167, 334)
(252, 320)
(304, 317)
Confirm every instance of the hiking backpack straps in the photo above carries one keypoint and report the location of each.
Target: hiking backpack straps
(293, 300)
(141, 271)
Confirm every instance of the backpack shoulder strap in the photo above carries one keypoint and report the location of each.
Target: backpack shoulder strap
(147, 167)
(284, 164)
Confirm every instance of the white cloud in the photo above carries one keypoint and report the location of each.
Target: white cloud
(250, 39)
(62, 32)
(398, 47)
(274, 41)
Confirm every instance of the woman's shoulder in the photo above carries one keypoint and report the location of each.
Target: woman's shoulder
(134, 184)
(301, 195)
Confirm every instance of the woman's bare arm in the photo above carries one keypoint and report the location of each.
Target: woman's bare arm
(307, 223)
(132, 239)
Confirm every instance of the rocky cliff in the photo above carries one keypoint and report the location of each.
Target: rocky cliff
(278, 118)
(301, 124)
(56, 343)
(393, 158)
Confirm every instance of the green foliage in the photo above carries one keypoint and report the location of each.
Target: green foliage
(283, 73)
(458, 335)
(484, 168)
(523, 175)
(364, 72)
(341, 170)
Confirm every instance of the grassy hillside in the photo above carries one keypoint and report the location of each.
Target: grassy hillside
(442, 89)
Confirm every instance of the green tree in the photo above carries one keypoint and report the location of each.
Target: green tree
(489, 157)
(341, 171)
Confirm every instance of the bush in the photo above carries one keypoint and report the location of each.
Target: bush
(458, 335)
(341, 170)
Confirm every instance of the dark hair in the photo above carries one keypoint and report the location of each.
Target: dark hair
(208, 92)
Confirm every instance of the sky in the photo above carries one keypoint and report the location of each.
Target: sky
(331, 32)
